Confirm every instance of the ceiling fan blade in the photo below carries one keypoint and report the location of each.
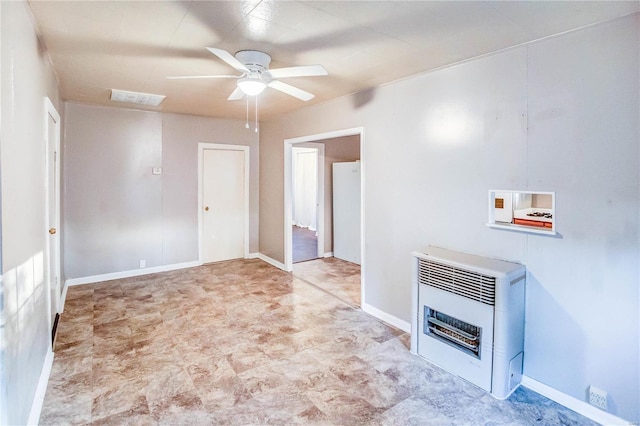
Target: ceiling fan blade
(228, 58)
(236, 95)
(302, 71)
(290, 90)
(188, 77)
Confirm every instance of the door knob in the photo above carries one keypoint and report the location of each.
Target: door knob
(52, 231)
(206, 209)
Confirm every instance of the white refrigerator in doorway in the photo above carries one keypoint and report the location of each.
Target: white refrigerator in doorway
(346, 211)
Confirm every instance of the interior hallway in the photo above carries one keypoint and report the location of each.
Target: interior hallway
(242, 342)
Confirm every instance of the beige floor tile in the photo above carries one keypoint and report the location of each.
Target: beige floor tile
(242, 342)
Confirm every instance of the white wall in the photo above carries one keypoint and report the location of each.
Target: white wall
(116, 212)
(557, 115)
(584, 111)
(26, 79)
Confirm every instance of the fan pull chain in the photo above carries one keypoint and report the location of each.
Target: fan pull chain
(256, 114)
(247, 125)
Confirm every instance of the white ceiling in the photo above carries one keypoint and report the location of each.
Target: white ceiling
(97, 46)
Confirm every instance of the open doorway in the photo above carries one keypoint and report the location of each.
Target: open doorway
(340, 276)
(307, 160)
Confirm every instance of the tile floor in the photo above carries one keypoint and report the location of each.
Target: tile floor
(338, 277)
(243, 343)
(305, 244)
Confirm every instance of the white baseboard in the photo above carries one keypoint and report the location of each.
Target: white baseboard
(328, 254)
(63, 296)
(580, 407)
(253, 256)
(272, 261)
(131, 273)
(41, 390)
(389, 319)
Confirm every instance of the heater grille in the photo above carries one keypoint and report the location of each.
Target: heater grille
(459, 334)
(471, 285)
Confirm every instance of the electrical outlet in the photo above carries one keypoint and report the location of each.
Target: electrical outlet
(143, 263)
(598, 398)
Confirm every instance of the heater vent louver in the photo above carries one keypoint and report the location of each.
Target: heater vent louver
(461, 282)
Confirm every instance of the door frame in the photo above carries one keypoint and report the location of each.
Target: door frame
(319, 147)
(50, 110)
(288, 188)
(202, 146)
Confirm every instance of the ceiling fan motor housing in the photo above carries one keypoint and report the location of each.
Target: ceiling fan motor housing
(254, 60)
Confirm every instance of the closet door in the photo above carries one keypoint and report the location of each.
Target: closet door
(223, 205)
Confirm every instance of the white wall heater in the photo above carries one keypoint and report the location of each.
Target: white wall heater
(468, 317)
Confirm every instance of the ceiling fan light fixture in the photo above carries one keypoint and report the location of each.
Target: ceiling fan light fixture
(251, 86)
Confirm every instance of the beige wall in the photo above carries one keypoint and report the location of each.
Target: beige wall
(25, 78)
(336, 150)
(180, 137)
(116, 211)
(542, 201)
(558, 115)
(113, 204)
(273, 133)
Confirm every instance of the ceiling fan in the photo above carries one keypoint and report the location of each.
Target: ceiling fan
(256, 75)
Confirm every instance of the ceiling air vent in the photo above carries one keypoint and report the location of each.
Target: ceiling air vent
(136, 97)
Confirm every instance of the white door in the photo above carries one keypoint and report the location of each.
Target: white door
(223, 196)
(53, 213)
(305, 188)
